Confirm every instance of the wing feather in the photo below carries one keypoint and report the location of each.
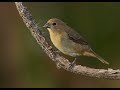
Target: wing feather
(75, 37)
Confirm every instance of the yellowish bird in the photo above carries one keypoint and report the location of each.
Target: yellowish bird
(68, 41)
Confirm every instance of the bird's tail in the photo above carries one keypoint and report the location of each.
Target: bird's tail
(93, 54)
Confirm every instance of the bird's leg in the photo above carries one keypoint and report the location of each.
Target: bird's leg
(57, 51)
(72, 64)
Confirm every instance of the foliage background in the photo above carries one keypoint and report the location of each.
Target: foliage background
(24, 64)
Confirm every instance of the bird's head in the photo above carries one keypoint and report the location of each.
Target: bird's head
(55, 25)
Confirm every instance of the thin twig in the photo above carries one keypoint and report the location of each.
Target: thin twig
(60, 61)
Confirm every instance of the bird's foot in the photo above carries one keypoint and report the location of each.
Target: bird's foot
(57, 51)
(72, 64)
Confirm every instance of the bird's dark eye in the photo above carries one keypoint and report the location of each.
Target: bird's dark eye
(54, 24)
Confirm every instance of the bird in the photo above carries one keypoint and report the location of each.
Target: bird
(68, 41)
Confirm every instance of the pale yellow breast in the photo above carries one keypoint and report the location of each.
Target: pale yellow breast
(55, 38)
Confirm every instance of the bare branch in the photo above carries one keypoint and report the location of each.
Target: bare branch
(60, 61)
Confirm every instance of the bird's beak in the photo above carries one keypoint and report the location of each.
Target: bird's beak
(47, 25)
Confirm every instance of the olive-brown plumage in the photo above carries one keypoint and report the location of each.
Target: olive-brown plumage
(68, 41)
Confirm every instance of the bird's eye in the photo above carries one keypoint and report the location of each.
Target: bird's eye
(54, 24)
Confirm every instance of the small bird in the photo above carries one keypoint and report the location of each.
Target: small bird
(68, 41)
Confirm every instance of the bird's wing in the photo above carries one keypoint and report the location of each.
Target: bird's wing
(75, 37)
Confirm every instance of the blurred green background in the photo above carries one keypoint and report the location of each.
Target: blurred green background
(24, 64)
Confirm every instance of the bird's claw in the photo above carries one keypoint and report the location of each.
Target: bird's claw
(57, 51)
(72, 64)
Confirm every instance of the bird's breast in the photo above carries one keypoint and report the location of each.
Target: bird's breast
(56, 39)
(64, 44)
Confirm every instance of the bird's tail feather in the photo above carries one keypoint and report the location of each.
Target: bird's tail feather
(93, 54)
(100, 58)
